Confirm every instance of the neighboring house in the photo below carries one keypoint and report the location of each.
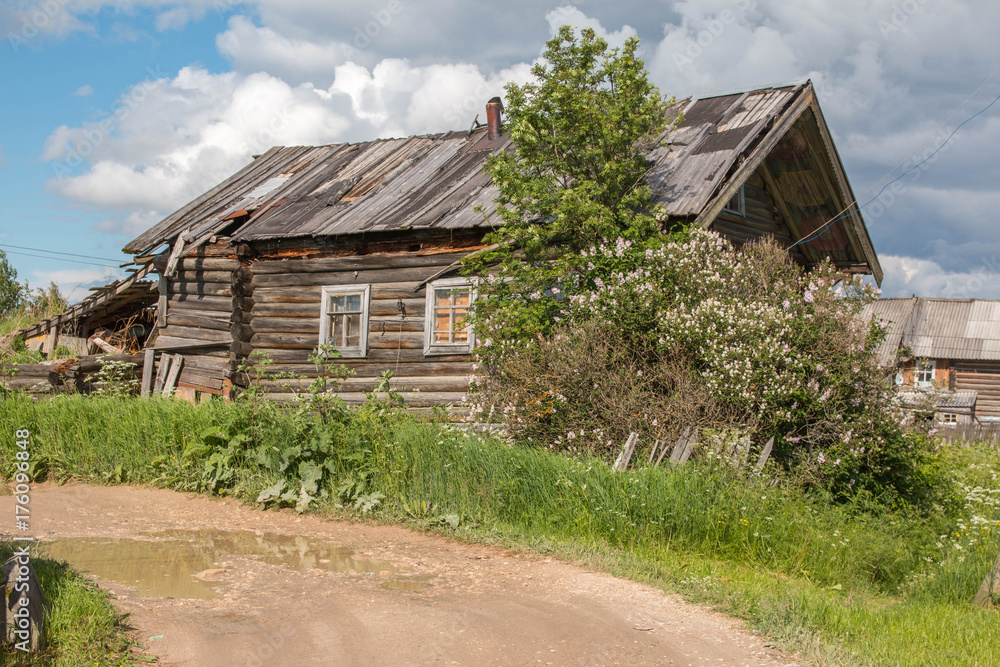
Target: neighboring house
(952, 345)
(358, 245)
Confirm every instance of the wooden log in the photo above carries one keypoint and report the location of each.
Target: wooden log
(439, 383)
(415, 399)
(181, 318)
(412, 307)
(201, 301)
(197, 333)
(200, 289)
(403, 274)
(175, 369)
(166, 342)
(305, 325)
(92, 362)
(20, 570)
(989, 587)
(207, 264)
(625, 457)
(148, 361)
(204, 276)
(356, 262)
(381, 355)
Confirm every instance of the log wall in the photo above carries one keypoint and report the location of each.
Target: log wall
(285, 322)
(983, 377)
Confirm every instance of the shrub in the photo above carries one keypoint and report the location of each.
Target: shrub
(692, 332)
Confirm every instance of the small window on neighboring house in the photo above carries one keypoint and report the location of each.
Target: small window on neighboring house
(344, 319)
(949, 419)
(737, 204)
(923, 375)
(446, 328)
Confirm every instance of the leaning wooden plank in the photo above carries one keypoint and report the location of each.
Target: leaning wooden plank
(652, 451)
(147, 372)
(688, 448)
(175, 370)
(765, 454)
(743, 451)
(161, 373)
(679, 447)
(626, 455)
(990, 587)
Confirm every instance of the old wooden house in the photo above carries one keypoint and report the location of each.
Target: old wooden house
(948, 345)
(358, 245)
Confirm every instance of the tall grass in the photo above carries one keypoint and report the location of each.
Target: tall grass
(851, 583)
(83, 627)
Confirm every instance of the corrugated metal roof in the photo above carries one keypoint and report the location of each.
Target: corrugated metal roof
(960, 329)
(438, 180)
(894, 313)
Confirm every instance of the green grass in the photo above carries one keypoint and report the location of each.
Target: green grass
(84, 629)
(843, 584)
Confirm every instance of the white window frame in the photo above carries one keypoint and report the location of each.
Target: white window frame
(432, 348)
(324, 320)
(948, 419)
(922, 367)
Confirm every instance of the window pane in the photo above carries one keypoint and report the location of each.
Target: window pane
(353, 331)
(354, 303)
(337, 304)
(461, 298)
(442, 298)
(337, 331)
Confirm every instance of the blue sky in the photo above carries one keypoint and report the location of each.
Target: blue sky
(115, 113)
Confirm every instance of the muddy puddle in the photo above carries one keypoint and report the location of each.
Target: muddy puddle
(413, 584)
(188, 563)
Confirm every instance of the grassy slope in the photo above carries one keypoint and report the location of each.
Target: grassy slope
(842, 584)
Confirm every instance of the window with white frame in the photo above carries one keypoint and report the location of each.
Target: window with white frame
(948, 419)
(446, 326)
(923, 374)
(344, 319)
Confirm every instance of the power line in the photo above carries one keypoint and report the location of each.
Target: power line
(59, 259)
(815, 234)
(56, 252)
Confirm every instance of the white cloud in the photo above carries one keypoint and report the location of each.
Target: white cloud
(169, 139)
(176, 18)
(84, 91)
(570, 15)
(907, 276)
(75, 284)
(257, 49)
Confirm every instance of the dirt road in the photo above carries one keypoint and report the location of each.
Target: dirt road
(385, 596)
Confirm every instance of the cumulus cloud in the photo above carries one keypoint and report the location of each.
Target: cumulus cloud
(907, 276)
(305, 71)
(84, 91)
(171, 138)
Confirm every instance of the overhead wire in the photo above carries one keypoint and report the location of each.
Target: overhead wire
(74, 261)
(846, 212)
(57, 252)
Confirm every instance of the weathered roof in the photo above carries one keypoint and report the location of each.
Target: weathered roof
(437, 181)
(960, 329)
(133, 291)
(893, 314)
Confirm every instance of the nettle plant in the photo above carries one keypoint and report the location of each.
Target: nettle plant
(658, 337)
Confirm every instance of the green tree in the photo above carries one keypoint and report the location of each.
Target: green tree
(576, 173)
(12, 293)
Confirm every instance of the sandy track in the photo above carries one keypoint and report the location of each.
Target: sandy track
(483, 606)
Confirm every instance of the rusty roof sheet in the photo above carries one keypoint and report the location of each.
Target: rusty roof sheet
(961, 329)
(438, 180)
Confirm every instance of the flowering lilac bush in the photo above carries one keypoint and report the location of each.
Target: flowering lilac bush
(692, 332)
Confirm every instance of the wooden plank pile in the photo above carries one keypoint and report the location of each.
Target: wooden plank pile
(734, 451)
(64, 375)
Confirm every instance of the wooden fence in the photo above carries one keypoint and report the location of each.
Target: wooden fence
(974, 432)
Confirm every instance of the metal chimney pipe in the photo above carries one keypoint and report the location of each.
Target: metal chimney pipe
(493, 110)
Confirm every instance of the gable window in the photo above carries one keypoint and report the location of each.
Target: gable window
(923, 375)
(446, 325)
(737, 204)
(344, 319)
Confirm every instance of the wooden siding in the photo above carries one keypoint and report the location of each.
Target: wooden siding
(205, 297)
(285, 323)
(983, 377)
